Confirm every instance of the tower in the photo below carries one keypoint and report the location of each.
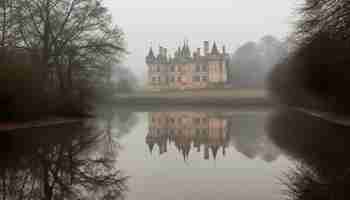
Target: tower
(206, 48)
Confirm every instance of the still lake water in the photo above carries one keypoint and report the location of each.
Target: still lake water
(201, 155)
(177, 154)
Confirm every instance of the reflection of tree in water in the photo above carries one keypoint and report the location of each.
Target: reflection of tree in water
(57, 163)
(321, 150)
(124, 121)
(117, 120)
(246, 132)
(114, 124)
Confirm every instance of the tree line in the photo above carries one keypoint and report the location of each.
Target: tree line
(315, 74)
(72, 46)
(251, 62)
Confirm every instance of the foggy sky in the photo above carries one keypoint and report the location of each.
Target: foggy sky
(170, 22)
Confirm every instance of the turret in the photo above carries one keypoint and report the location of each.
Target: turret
(150, 58)
(224, 50)
(214, 50)
(206, 48)
(186, 52)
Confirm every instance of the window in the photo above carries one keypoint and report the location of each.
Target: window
(196, 120)
(205, 68)
(178, 68)
(158, 78)
(204, 78)
(204, 120)
(153, 79)
(198, 68)
(196, 78)
(172, 68)
(158, 69)
(179, 79)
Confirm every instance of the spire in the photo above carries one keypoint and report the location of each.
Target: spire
(214, 150)
(150, 57)
(215, 50)
(150, 146)
(150, 53)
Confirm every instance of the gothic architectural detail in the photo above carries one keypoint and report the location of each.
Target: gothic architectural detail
(187, 70)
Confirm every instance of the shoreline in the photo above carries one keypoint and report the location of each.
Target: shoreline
(13, 126)
(194, 101)
(220, 100)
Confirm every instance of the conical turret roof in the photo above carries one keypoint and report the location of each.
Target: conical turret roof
(215, 50)
(151, 54)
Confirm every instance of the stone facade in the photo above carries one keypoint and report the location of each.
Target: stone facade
(187, 70)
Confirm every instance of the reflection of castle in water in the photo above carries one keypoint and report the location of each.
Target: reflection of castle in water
(211, 134)
(186, 128)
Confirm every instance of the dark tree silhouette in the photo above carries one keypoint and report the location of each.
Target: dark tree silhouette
(319, 148)
(58, 163)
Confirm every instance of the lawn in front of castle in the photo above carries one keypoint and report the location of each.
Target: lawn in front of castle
(224, 93)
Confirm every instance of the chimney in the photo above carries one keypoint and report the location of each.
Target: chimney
(198, 52)
(160, 50)
(206, 48)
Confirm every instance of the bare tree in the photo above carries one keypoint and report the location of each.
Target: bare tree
(72, 35)
(318, 16)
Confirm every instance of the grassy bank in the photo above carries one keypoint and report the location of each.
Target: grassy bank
(223, 93)
(217, 97)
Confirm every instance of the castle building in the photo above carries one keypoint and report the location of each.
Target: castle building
(187, 70)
